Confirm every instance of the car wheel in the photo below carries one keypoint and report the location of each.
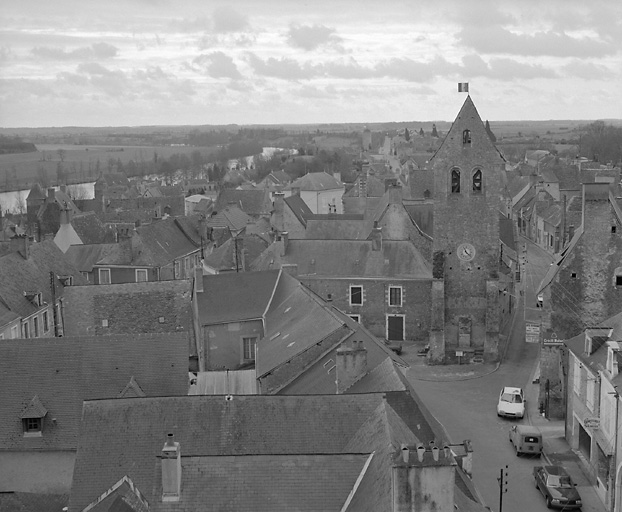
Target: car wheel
(548, 502)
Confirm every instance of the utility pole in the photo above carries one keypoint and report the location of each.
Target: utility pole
(503, 485)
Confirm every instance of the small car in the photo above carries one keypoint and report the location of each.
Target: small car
(558, 489)
(511, 403)
(526, 439)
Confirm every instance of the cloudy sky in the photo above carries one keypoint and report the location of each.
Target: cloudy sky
(145, 62)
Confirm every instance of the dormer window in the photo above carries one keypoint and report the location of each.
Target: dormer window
(477, 181)
(32, 418)
(35, 298)
(466, 137)
(66, 280)
(455, 181)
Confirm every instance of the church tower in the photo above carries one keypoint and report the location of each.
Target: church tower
(469, 179)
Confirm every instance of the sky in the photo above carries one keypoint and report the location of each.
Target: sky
(202, 62)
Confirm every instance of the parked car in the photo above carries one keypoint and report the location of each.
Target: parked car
(557, 487)
(526, 439)
(511, 403)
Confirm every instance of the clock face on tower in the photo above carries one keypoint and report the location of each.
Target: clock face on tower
(466, 252)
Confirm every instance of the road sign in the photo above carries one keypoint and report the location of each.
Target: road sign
(532, 333)
(591, 423)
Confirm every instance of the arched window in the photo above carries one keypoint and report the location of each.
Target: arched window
(477, 181)
(466, 137)
(455, 181)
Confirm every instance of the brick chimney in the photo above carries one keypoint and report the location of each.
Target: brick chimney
(66, 214)
(171, 470)
(376, 237)
(395, 194)
(423, 479)
(351, 365)
(284, 242)
(278, 221)
(21, 245)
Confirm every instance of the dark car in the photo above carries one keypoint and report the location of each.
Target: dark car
(557, 487)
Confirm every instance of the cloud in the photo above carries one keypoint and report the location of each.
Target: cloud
(503, 69)
(498, 40)
(285, 68)
(413, 71)
(218, 65)
(309, 37)
(198, 24)
(586, 70)
(226, 19)
(97, 51)
(113, 83)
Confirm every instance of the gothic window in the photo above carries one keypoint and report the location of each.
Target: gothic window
(455, 181)
(477, 181)
(466, 137)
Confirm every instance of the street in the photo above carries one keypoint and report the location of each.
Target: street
(465, 403)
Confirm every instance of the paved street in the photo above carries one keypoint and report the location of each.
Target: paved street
(463, 398)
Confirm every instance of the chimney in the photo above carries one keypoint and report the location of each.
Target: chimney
(351, 365)
(285, 242)
(389, 183)
(570, 232)
(295, 191)
(376, 237)
(63, 189)
(198, 279)
(171, 470)
(21, 245)
(395, 194)
(424, 482)
(277, 213)
(51, 194)
(66, 214)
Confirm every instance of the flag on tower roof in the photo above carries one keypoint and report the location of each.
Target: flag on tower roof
(463, 87)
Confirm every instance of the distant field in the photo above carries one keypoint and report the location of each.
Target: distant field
(21, 170)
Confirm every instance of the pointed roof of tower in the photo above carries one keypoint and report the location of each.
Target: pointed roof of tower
(467, 119)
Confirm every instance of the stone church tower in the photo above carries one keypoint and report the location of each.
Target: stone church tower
(469, 180)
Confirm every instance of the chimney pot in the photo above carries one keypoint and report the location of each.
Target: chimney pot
(435, 451)
(420, 452)
(405, 453)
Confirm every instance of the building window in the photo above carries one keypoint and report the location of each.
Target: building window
(477, 181)
(455, 181)
(46, 322)
(395, 327)
(32, 426)
(356, 318)
(356, 295)
(104, 276)
(573, 275)
(466, 137)
(26, 330)
(613, 229)
(141, 275)
(85, 275)
(619, 280)
(248, 348)
(177, 269)
(395, 296)
(36, 326)
(576, 381)
(14, 332)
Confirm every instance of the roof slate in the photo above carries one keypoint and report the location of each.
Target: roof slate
(348, 258)
(235, 296)
(72, 369)
(253, 202)
(317, 181)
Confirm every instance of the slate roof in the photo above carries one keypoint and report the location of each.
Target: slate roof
(223, 257)
(317, 181)
(124, 437)
(84, 257)
(230, 217)
(252, 202)
(147, 307)
(299, 208)
(91, 229)
(72, 369)
(235, 296)
(506, 231)
(32, 502)
(18, 275)
(348, 258)
(339, 227)
(306, 483)
(155, 244)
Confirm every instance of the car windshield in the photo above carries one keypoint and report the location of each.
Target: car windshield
(513, 398)
(559, 481)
